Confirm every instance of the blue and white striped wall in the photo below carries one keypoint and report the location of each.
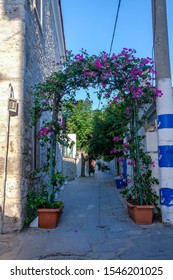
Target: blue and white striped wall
(165, 148)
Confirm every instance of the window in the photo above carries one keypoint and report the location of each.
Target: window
(38, 6)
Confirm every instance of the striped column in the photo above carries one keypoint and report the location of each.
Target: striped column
(165, 148)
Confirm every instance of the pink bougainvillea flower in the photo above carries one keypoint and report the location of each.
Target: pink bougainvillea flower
(130, 162)
(116, 138)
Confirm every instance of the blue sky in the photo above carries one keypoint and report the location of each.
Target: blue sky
(89, 24)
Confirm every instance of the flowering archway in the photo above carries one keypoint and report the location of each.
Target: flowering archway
(121, 78)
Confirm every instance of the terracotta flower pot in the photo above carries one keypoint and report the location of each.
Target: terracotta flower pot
(49, 218)
(142, 215)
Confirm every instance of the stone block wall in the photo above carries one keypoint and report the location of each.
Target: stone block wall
(27, 52)
(11, 64)
(69, 168)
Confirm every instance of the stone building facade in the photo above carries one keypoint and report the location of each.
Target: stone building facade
(31, 44)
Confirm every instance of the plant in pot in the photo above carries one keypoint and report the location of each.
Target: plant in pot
(141, 199)
(140, 196)
(48, 100)
(129, 145)
(49, 211)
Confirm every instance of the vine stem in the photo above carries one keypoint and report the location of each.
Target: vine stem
(137, 153)
(52, 161)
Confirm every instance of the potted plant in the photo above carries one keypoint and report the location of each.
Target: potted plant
(43, 203)
(49, 212)
(142, 200)
(48, 100)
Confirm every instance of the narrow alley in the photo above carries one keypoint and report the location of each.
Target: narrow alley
(94, 226)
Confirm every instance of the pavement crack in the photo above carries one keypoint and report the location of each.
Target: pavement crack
(62, 256)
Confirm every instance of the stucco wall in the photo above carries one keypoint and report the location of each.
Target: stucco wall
(152, 150)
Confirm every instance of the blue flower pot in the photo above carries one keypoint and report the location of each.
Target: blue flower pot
(120, 183)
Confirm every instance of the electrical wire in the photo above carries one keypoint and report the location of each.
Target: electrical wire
(115, 26)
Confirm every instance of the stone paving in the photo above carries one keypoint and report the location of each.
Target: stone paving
(94, 226)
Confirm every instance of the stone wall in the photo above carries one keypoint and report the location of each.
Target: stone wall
(11, 65)
(27, 52)
(69, 167)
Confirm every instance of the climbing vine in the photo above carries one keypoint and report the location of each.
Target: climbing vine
(120, 78)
